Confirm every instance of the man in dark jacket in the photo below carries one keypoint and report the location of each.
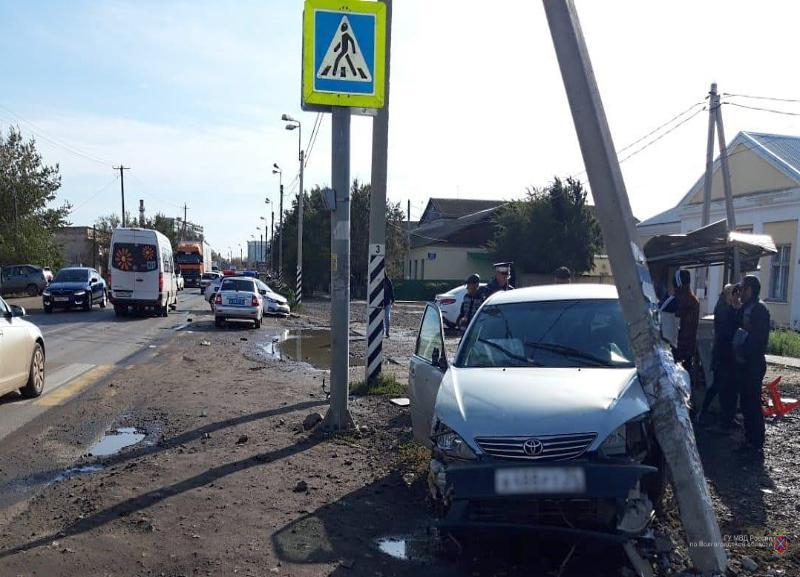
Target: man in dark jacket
(726, 319)
(472, 301)
(502, 272)
(688, 313)
(388, 301)
(750, 348)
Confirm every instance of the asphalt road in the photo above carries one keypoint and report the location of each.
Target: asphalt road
(82, 347)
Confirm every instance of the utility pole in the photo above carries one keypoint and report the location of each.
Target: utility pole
(122, 188)
(726, 182)
(338, 417)
(94, 246)
(294, 123)
(408, 240)
(277, 170)
(713, 101)
(376, 256)
(272, 241)
(666, 388)
(141, 213)
(183, 234)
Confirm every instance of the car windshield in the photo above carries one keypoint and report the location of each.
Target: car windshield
(188, 258)
(209, 276)
(237, 284)
(559, 334)
(72, 275)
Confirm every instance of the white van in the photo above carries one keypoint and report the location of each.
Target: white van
(141, 271)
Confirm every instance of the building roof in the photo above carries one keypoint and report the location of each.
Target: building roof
(473, 229)
(666, 217)
(446, 208)
(786, 149)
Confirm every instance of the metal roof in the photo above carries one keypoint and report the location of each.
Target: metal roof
(785, 148)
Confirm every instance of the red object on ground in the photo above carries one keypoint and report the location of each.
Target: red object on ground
(772, 403)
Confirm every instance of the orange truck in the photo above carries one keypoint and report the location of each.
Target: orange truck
(192, 262)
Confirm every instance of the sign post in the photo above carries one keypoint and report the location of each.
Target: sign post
(344, 44)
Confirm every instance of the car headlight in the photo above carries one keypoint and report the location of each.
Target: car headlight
(616, 443)
(451, 445)
(79, 293)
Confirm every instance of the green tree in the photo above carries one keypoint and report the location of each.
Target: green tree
(552, 227)
(27, 188)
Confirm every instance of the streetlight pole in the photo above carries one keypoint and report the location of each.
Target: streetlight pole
(277, 170)
(293, 123)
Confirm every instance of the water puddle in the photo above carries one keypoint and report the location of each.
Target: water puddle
(312, 346)
(404, 548)
(116, 440)
(73, 471)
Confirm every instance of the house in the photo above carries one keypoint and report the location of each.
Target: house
(765, 183)
(78, 247)
(449, 242)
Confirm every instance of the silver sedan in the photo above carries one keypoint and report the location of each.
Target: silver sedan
(21, 353)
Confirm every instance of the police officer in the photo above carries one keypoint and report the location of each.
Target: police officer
(749, 347)
(502, 270)
(473, 299)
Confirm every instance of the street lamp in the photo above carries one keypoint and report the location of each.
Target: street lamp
(277, 170)
(292, 124)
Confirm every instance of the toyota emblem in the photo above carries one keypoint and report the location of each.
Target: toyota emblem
(533, 447)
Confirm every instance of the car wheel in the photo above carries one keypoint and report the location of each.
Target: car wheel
(104, 301)
(257, 323)
(35, 384)
(87, 306)
(48, 310)
(120, 310)
(32, 290)
(218, 322)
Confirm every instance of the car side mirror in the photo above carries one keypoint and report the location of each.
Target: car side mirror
(93, 281)
(263, 292)
(17, 311)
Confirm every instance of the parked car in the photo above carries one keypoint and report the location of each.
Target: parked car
(180, 282)
(23, 278)
(48, 274)
(75, 287)
(450, 303)
(207, 279)
(539, 422)
(274, 303)
(141, 271)
(21, 353)
(211, 290)
(238, 298)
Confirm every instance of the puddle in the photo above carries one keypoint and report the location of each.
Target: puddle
(116, 440)
(312, 346)
(405, 549)
(73, 471)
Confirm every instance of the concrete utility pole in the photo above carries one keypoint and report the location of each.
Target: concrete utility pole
(712, 98)
(408, 240)
(726, 182)
(183, 234)
(376, 256)
(122, 188)
(94, 246)
(666, 389)
(293, 123)
(338, 417)
(141, 213)
(277, 170)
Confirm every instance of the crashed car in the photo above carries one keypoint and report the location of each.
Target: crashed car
(539, 422)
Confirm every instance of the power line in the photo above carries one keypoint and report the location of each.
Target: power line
(38, 132)
(652, 142)
(772, 110)
(313, 138)
(772, 98)
(93, 195)
(668, 122)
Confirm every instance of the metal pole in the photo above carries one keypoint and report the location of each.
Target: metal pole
(280, 230)
(338, 417)
(261, 247)
(408, 240)
(666, 388)
(94, 247)
(726, 181)
(122, 189)
(376, 254)
(300, 203)
(272, 241)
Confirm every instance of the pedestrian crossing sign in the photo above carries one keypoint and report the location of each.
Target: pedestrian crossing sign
(344, 50)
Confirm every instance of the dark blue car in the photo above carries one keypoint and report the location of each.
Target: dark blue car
(75, 287)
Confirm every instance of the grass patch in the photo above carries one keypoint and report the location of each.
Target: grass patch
(784, 343)
(385, 385)
(413, 457)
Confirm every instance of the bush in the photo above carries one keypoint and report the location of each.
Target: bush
(385, 385)
(784, 343)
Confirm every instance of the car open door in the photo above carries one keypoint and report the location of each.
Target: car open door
(426, 370)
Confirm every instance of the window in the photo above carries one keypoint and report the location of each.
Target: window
(72, 275)
(430, 335)
(415, 268)
(422, 274)
(779, 273)
(238, 284)
(131, 257)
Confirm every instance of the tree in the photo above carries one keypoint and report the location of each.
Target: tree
(550, 228)
(105, 225)
(27, 188)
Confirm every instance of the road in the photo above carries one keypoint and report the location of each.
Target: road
(83, 347)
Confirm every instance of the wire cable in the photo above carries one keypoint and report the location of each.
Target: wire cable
(772, 110)
(771, 98)
(667, 123)
(93, 195)
(652, 142)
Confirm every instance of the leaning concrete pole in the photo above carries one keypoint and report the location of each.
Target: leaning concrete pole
(666, 388)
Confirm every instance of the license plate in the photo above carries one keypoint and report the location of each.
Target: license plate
(538, 480)
(235, 301)
(61, 299)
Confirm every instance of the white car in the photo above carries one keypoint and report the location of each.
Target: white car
(539, 422)
(238, 298)
(21, 353)
(211, 290)
(274, 303)
(450, 303)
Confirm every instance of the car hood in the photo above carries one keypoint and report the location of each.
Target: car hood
(489, 402)
(277, 298)
(73, 286)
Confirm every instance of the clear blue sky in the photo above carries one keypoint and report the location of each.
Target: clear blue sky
(189, 94)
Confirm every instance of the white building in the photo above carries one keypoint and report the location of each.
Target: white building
(765, 182)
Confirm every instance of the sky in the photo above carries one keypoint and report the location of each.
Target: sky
(189, 95)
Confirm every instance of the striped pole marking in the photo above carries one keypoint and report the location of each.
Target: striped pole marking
(299, 285)
(375, 312)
